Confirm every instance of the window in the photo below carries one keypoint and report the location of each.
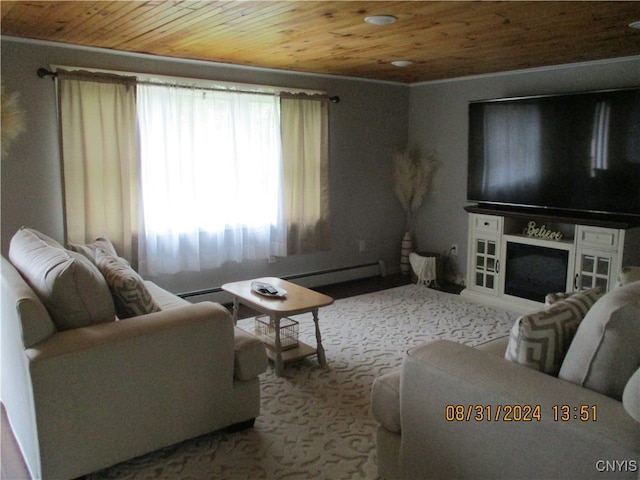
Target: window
(224, 175)
(211, 174)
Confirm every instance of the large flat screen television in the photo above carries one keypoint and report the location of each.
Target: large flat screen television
(563, 153)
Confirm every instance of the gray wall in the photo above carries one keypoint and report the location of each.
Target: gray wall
(365, 127)
(438, 121)
(371, 121)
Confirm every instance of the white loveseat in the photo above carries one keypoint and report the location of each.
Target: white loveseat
(452, 411)
(81, 399)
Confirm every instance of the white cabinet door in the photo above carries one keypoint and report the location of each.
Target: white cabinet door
(485, 263)
(485, 240)
(594, 268)
(597, 257)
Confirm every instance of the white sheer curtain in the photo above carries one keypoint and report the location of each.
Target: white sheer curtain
(100, 158)
(305, 151)
(211, 178)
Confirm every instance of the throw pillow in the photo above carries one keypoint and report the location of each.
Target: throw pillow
(540, 340)
(90, 249)
(551, 298)
(71, 288)
(628, 275)
(604, 353)
(130, 295)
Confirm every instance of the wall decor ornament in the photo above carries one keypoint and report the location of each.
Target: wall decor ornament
(532, 230)
(412, 176)
(11, 119)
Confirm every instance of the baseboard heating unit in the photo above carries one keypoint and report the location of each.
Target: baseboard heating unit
(309, 280)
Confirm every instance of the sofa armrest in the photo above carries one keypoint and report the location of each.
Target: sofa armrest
(131, 330)
(496, 347)
(250, 356)
(132, 386)
(441, 374)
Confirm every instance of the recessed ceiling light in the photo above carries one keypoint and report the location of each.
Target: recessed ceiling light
(402, 63)
(635, 25)
(380, 19)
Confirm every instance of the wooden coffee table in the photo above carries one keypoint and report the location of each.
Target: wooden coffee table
(298, 300)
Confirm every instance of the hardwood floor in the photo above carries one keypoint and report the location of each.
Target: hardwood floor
(363, 285)
(357, 287)
(346, 289)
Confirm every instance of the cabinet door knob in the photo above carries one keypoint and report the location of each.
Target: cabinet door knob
(575, 282)
(497, 266)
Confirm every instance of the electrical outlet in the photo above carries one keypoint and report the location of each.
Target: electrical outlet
(362, 246)
(454, 250)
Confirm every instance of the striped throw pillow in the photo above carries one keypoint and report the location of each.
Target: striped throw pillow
(541, 340)
(130, 295)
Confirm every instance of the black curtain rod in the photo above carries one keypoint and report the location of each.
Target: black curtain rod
(43, 72)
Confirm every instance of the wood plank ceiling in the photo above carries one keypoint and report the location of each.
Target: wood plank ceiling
(443, 39)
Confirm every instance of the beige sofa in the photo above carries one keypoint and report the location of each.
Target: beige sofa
(452, 411)
(81, 399)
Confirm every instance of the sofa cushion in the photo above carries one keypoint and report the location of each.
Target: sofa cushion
(385, 400)
(249, 356)
(130, 295)
(631, 396)
(90, 249)
(604, 353)
(541, 340)
(71, 288)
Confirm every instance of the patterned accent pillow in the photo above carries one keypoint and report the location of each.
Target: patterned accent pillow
(130, 295)
(90, 249)
(628, 275)
(551, 298)
(541, 340)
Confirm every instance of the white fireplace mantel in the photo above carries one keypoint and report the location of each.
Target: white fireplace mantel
(579, 253)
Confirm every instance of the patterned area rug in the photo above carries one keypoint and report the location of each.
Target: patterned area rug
(316, 422)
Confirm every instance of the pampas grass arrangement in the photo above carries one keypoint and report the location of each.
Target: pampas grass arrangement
(11, 119)
(412, 176)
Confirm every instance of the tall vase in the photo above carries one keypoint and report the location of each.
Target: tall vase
(407, 246)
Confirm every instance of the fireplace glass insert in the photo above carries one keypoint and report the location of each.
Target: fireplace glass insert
(533, 271)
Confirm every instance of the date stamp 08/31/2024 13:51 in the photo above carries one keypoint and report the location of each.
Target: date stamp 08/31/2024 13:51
(535, 413)
(519, 413)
